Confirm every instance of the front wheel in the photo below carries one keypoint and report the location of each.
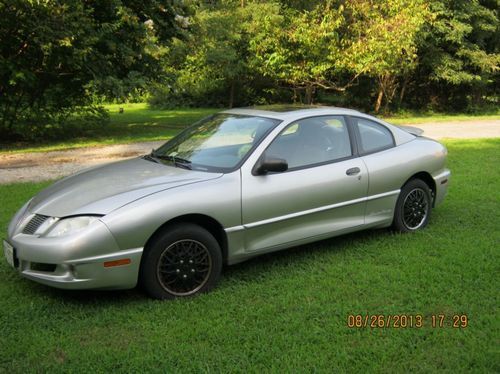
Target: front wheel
(184, 260)
(413, 208)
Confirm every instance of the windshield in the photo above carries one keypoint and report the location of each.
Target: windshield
(217, 143)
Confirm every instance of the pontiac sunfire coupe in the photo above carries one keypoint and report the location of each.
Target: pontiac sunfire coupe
(232, 186)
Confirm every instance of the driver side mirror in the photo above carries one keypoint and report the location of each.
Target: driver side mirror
(270, 164)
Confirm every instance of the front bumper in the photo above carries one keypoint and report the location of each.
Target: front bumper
(90, 259)
(442, 180)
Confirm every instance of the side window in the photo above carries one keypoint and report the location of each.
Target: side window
(312, 141)
(373, 136)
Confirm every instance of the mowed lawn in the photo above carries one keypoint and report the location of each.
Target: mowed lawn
(288, 311)
(139, 123)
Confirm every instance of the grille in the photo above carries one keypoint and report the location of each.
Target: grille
(34, 224)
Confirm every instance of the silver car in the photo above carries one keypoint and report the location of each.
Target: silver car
(232, 186)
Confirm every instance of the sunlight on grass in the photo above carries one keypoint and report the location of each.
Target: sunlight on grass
(140, 123)
(287, 312)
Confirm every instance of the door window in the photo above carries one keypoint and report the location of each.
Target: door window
(312, 141)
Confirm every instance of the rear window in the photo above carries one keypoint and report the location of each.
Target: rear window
(373, 137)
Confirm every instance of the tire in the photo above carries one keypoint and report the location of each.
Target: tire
(184, 260)
(413, 208)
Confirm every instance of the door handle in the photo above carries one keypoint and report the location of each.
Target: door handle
(353, 171)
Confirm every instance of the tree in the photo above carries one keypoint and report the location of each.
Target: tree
(334, 43)
(383, 42)
(302, 48)
(50, 51)
(459, 52)
(367, 52)
(212, 66)
(215, 59)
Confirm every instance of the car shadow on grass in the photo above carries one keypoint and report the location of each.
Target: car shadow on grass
(347, 243)
(250, 270)
(101, 297)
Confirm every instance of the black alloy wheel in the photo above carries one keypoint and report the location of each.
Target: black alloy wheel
(182, 260)
(184, 267)
(413, 208)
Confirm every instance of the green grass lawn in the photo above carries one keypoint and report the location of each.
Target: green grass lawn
(140, 123)
(287, 312)
(137, 123)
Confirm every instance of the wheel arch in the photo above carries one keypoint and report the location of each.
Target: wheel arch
(208, 223)
(427, 178)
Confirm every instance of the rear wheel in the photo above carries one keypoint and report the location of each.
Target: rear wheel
(413, 208)
(184, 260)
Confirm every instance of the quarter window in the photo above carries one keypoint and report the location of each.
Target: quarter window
(312, 141)
(373, 136)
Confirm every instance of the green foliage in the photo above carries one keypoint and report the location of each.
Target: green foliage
(301, 48)
(212, 66)
(465, 42)
(370, 54)
(384, 46)
(459, 55)
(65, 123)
(128, 123)
(319, 48)
(240, 49)
(52, 51)
(132, 88)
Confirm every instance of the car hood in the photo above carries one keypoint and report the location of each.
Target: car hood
(102, 189)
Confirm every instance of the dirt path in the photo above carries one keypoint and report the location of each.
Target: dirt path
(461, 129)
(39, 166)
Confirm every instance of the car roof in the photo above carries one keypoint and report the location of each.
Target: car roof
(286, 112)
(296, 112)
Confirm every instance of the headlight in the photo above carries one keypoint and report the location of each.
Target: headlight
(46, 225)
(70, 225)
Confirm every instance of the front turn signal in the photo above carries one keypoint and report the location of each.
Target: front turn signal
(124, 261)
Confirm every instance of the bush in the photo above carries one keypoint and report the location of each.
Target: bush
(69, 123)
(131, 89)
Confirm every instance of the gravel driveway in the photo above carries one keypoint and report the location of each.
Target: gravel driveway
(40, 166)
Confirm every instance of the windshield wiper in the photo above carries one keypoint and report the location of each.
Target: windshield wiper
(177, 161)
(150, 157)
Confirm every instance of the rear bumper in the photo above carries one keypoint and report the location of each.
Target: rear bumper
(442, 180)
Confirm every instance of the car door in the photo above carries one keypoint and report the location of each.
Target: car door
(322, 192)
(377, 148)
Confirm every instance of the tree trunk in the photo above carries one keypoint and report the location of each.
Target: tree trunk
(309, 94)
(390, 91)
(231, 94)
(380, 96)
(387, 86)
(476, 96)
(403, 91)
